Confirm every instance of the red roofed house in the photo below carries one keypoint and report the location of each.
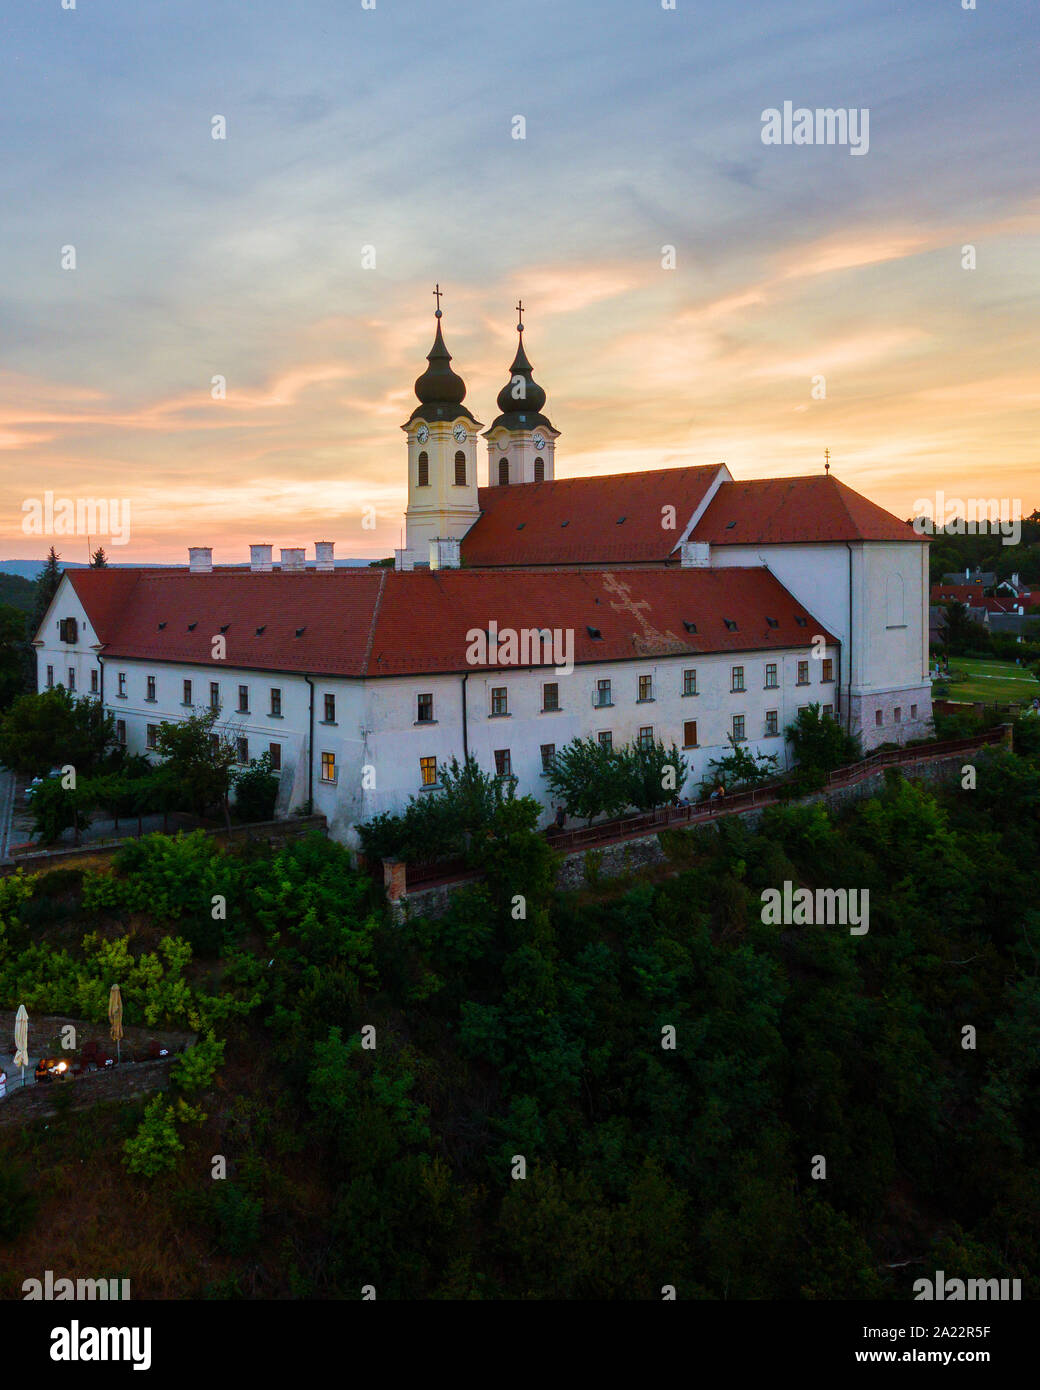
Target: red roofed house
(677, 605)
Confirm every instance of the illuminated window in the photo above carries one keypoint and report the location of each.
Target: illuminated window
(328, 767)
(428, 771)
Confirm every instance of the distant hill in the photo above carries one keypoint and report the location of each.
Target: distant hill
(29, 569)
(16, 591)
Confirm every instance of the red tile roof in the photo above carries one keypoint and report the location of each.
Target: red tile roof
(360, 622)
(578, 520)
(777, 511)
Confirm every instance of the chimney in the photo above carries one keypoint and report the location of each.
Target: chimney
(294, 560)
(444, 554)
(695, 555)
(260, 560)
(323, 555)
(967, 572)
(403, 560)
(200, 559)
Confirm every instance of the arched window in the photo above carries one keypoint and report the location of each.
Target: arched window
(539, 470)
(424, 470)
(503, 472)
(460, 469)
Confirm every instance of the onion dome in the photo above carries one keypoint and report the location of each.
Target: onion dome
(521, 399)
(440, 390)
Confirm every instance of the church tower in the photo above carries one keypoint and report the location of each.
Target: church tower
(442, 463)
(521, 440)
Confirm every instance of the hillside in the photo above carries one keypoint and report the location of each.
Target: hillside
(17, 592)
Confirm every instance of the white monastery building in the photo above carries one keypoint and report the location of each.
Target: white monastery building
(677, 605)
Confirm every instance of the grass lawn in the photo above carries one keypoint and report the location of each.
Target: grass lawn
(991, 680)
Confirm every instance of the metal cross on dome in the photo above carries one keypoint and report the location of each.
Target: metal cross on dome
(520, 315)
(437, 293)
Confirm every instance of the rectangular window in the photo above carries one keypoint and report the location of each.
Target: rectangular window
(214, 744)
(72, 680)
(330, 709)
(913, 711)
(150, 690)
(276, 702)
(425, 709)
(771, 680)
(121, 684)
(827, 674)
(93, 682)
(242, 750)
(187, 693)
(121, 732)
(548, 753)
(603, 693)
(803, 673)
(428, 771)
(898, 714)
(460, 469)
(646, 688)
(243, 699)
(606, 739)
(275, 750)
(772, 723)
(877, 718)
(50, 677)
(646, 736)
(503, 762)
(151, 734)
(690, 733)
(738, 728)
(828, 711)
(328, 767)
(214, 695)
(689, 682)
(499, 700)
(550, 697)
(737, 673)
(68, 629)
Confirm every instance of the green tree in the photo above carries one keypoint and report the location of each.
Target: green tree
(55, 728)
(740, 769)
(45, 587)
(199, 761)
(588, 779)
(256, 789)
(99, 560)
(819, 742)
(14, 655)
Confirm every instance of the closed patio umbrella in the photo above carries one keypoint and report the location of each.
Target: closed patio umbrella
(115, 1016)
(21, 1039)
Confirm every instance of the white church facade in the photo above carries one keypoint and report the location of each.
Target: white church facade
(687, 607)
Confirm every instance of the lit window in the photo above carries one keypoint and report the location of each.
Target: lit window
(499, 700)
(548, 753)
(646, 736)
(428, 771)
(423, 479)
(690, 733)
(738, 728)
(646, 687)
(689, 682)
(503, 762)
(737, 673)
(772, 722)
(771, 681)
(328, 767)
(550, 697)
(803, 673)
(425, 710)
(330, 709)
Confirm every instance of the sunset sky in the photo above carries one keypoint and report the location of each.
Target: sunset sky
(391, 127)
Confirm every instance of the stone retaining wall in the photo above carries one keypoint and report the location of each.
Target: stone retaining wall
(129, 1081)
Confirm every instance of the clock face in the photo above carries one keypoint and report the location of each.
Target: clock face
(422, 434)
(460, 433)
(539, 441)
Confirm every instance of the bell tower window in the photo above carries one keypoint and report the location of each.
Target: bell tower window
(539, 470)
(460, 469)
(424, 470)
(503, 472)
